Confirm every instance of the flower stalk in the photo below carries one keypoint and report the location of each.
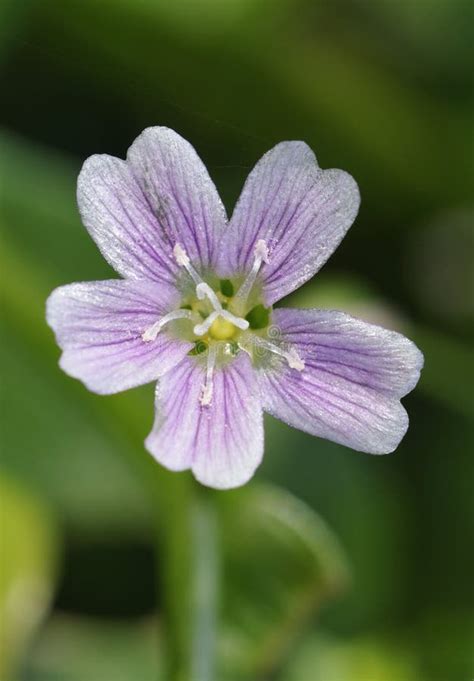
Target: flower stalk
(188, 576)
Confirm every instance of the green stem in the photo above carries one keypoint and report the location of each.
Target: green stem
(188, 560)
(205, 586)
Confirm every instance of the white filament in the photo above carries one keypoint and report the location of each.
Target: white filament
(261, 256)
(151, 333)
(203, 290)
(208, 387)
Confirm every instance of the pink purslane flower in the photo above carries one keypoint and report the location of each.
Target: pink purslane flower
(194, 309)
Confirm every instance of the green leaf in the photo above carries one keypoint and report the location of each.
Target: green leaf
(28, 567)
(280, 563)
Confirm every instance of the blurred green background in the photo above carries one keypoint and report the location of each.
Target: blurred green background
(381, 89)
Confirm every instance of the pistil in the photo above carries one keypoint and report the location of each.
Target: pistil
(203, 290)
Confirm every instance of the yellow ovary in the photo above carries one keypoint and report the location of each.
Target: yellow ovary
(222, 329)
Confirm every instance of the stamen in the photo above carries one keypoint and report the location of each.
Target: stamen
(182, 259)
(203, 290)
(261, 256)
(208, 387)
(233, 319)
(291, 355)
(151, 333)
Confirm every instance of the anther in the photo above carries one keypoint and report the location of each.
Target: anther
(182, 259)
(261, 251)
(294, 360)
(291, 356)
(180, 255)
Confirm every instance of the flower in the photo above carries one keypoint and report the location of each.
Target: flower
(194, 309)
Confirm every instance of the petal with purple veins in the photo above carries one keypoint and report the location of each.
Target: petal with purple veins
(299, 210)
(119, 218)
(222, 442)
(99, 327)
(180, 193)
(354, 375)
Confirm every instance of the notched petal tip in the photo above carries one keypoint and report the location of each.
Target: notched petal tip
(220, 442)
(221, 480)
(300, 210)
(181, 194)
(355, 374)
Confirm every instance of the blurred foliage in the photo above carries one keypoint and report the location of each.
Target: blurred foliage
(281, 563)
(84, 649)
(322, 659)
(28, 569)
(300, 566)
(383, 90)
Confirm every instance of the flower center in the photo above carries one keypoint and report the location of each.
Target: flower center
(204, 291)
(224, 323)
(222, 329)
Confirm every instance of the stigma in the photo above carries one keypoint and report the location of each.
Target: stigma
(220, 320)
